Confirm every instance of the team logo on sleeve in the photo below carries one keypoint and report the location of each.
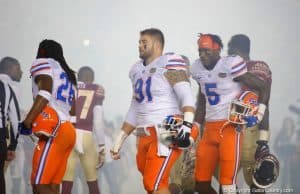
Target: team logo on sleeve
(152, 70)
(222, 75)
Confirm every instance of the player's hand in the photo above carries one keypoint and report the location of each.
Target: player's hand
(115, 155)
(101, 158)
(262, 149)
(23, 130)
(10, 155)
(183, 139)
(251, 121)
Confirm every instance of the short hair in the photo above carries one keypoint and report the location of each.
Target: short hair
(241, 42)
(156, 33)
(215, 38)
(85, 69)
(6, 63)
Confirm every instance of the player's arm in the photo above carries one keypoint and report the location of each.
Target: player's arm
(73, 110)
(200, 107)
(252, 82)
(182, 88)
(14, 118)
(44, 83)
(98, 126)
(263, 89)
(127, 128)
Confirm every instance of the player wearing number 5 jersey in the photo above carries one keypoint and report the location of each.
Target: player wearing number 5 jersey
(53, 89)
(161, 88)
(220, 80)
(89, 127)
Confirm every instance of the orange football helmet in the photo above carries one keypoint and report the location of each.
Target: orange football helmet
(244, 105)
(46, 123)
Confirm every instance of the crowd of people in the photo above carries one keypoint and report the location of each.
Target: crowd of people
(181, 142)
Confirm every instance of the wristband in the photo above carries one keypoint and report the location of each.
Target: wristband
(45, 94)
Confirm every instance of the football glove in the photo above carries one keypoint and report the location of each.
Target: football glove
(101, 157)
(251, 121)
(183, 140)
(23, 130)
(262, 149)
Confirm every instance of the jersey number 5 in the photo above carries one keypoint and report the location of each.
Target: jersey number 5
(65, 87)
(140, 92)
(212, 96)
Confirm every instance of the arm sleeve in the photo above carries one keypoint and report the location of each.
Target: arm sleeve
(98, 124)
(237, 66)
(131, 114)
(14, 117)
(183, 92)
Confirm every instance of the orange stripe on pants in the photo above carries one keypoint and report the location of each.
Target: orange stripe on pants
(49, 163)
(154, 169)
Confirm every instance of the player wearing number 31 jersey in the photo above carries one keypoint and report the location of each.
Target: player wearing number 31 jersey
(220, 80)
(54, 89)
(161, 87)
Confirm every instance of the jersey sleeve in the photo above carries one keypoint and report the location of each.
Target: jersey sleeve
(237, 66)
(176, 62)
(99, 94)
(261, 70)
(41, 67)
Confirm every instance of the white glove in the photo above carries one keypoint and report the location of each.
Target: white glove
(101, 157)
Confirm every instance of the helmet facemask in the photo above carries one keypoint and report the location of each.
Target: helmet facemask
(169, 129)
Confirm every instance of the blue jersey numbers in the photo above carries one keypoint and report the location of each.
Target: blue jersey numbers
(212, 96)
(66, 87)
(142, 90)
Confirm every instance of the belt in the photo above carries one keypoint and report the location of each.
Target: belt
(144, 130)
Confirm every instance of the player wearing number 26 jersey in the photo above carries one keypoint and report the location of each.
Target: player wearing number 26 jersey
(54, 88)
(89, 127)
(220, 80)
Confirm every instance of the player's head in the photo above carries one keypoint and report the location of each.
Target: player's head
(151, 41)
(86, 74)
(209, 48)
(11, 67)
(239, 44)
(52, 49)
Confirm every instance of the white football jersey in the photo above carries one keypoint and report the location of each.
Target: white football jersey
(154, 97)
(218, 85)
(63, 91)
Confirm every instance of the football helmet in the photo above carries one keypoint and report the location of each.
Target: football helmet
(46, 123)
(169, 129)
(266, 171)
(244, 105)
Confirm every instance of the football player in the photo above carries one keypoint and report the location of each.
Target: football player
(257, 136)
(54, 90)
(220, 80)
(160, 88)
(89, 115)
